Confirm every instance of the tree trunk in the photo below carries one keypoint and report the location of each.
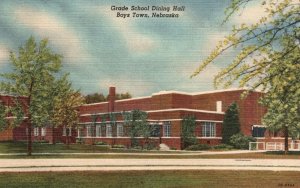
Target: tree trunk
(286, 140)
(29, 138)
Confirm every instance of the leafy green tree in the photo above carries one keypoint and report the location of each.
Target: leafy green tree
(65, 105)
(94, 98)
(268, 58)
(33, 67)
(120, 96)
(136, 120)
(188, 131)
(99, 97)
(231, 123)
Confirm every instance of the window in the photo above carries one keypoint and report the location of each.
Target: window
(70, 131)
(98, 130)
(64, 133)
(120, 130)
(167, 130)
(36, 131)
(43, 131)
(108, 131)
(88, 131)
(208, 129)
(258, 131)
(79, 133)
(219, 106)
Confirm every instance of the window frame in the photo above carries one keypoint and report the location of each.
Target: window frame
(208, 129)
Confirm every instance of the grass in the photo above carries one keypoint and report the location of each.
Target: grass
(20, 147)
(195, 178)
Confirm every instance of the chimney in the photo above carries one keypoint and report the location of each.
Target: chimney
(111, 99)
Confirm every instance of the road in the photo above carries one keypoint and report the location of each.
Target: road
(29, 165)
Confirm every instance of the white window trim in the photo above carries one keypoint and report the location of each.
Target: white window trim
(64, 132)
(98, 130)
(70, 131)
(212, 129)
(167, 130)
(108, 133)
(88, 131)
(120, 127)
(36, 131)
(43, 131)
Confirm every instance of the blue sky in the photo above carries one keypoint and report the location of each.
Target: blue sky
(138, 55)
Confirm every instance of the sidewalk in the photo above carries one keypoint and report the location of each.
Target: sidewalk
(29, 165)
(171, 153)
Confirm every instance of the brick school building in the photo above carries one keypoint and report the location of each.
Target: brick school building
(166, 110)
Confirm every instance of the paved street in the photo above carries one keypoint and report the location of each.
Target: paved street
(23, 165)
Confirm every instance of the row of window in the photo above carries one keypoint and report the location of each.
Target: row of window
(208, 130)
(108, 130)
(38, 131)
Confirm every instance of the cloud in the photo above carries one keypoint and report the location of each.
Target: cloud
(135, 41)
(250, 14)
(49, 26)
(4, 54)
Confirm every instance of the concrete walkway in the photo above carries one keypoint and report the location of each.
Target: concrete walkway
(29, 165)
(170, 153)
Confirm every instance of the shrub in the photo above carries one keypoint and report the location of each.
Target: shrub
(79, 141)
(173, 148)
(150, 146)
(198, 147)
(100, 143)
(240, 141)
(41, 141)
(223, 147)
(119, 146)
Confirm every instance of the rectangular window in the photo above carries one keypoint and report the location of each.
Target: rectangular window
(167, 130)
(108, 131)
(43, 131)
(120, 130)
(79, 133)
(88, 131)
(70, 131)
(208, 129)
(98, 130)
(258, 131)
(64, 131)
(36, 131)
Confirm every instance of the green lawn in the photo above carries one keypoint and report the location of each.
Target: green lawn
(152, 179)
(20, 147)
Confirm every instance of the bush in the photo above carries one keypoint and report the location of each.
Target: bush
(223, 147)
(118, 146)
(79, 141)
(41, 141)
(198, 147)
(150, 146)
(240, 141)
(100, 143)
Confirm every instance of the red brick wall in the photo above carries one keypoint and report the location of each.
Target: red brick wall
(6, 135)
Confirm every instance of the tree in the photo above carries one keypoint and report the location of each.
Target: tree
(95, 97)
(188, 131)
(268, 58)
(65, 105)
(231, 123)
(138, 126)
(99, 97)
(34, 66)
